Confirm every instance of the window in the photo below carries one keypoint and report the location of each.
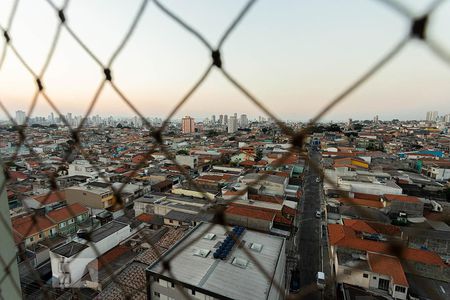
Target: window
(157, 294)
(383, 284)
(366, 275)
(40, 235)
(62, 225)
(400, 289)
(172, 284)
(156, 279)
(193, 292)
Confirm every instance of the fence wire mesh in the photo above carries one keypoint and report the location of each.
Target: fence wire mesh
(418, 31)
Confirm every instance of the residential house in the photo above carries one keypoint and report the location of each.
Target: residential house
(69, 217)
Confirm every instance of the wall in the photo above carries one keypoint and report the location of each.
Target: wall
(354, 276)
(166, 291)
(10, 286)
(279, 276)
(412, 209)
(77, 266)
(85, 198)
(251, 223)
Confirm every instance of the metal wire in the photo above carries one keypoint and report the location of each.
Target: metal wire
(418, 31)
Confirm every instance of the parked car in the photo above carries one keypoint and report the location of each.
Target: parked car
(318, 214)
(320, 280)
(294, 286)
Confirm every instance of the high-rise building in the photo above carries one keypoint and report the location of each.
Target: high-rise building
(188, 125)
(213, 119)
(243, 122)
(375, 119)
(432, 116)
(447, 118)
(225, 120)
(220, 120)
(20, 117)
(232, 124)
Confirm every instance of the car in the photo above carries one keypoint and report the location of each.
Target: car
(294, 286)
(317, 179)
(320, 280)
(318, 214)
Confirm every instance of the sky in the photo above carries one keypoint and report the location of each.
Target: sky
(295, 56)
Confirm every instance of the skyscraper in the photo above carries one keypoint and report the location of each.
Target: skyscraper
(243, 122)
(432, 116)
(232, 124)
(20, 117)
(188, 125)
(225, 120)
(213, 119)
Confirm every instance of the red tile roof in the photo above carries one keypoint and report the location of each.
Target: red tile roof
(372, 227)
(250, 213)
(403, 198)
(68, 212)
(288, 210)
(344, 236)
(361, 202)
(16, 175)
(109, 256)
(388, 265)
(279, 218)
(29, 226)
(266, 198)
(146, 218)
(359, 225)
(53, 197)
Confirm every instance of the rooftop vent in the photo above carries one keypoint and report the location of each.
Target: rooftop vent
(256, 247)
(240, 262)
(209, 236)
(201, 252)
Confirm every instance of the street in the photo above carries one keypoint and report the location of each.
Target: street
(309, 230)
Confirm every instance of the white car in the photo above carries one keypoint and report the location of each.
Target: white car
(318, 214)
(320, 279)
(317, 179)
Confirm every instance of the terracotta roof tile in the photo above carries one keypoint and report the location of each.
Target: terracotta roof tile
(403, 198)
(251, 213)
(29, 226)
(53, 197)
(389, 265)
(68, 212)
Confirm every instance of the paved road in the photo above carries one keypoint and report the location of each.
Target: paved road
(309, 231)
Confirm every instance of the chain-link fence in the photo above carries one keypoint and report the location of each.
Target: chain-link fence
(418, 31)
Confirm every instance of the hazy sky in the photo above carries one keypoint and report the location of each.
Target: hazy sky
(293, 55)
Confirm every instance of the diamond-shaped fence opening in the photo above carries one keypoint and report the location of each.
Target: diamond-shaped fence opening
(152, 140)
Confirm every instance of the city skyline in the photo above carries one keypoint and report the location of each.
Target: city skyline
(430, 116)
(155, 75)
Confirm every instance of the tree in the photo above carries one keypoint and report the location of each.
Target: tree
(183, 152)
(259, 154)
(119, 125)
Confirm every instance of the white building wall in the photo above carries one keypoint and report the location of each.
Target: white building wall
(76, 266)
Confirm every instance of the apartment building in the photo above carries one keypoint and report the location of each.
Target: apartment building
(95, 198)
